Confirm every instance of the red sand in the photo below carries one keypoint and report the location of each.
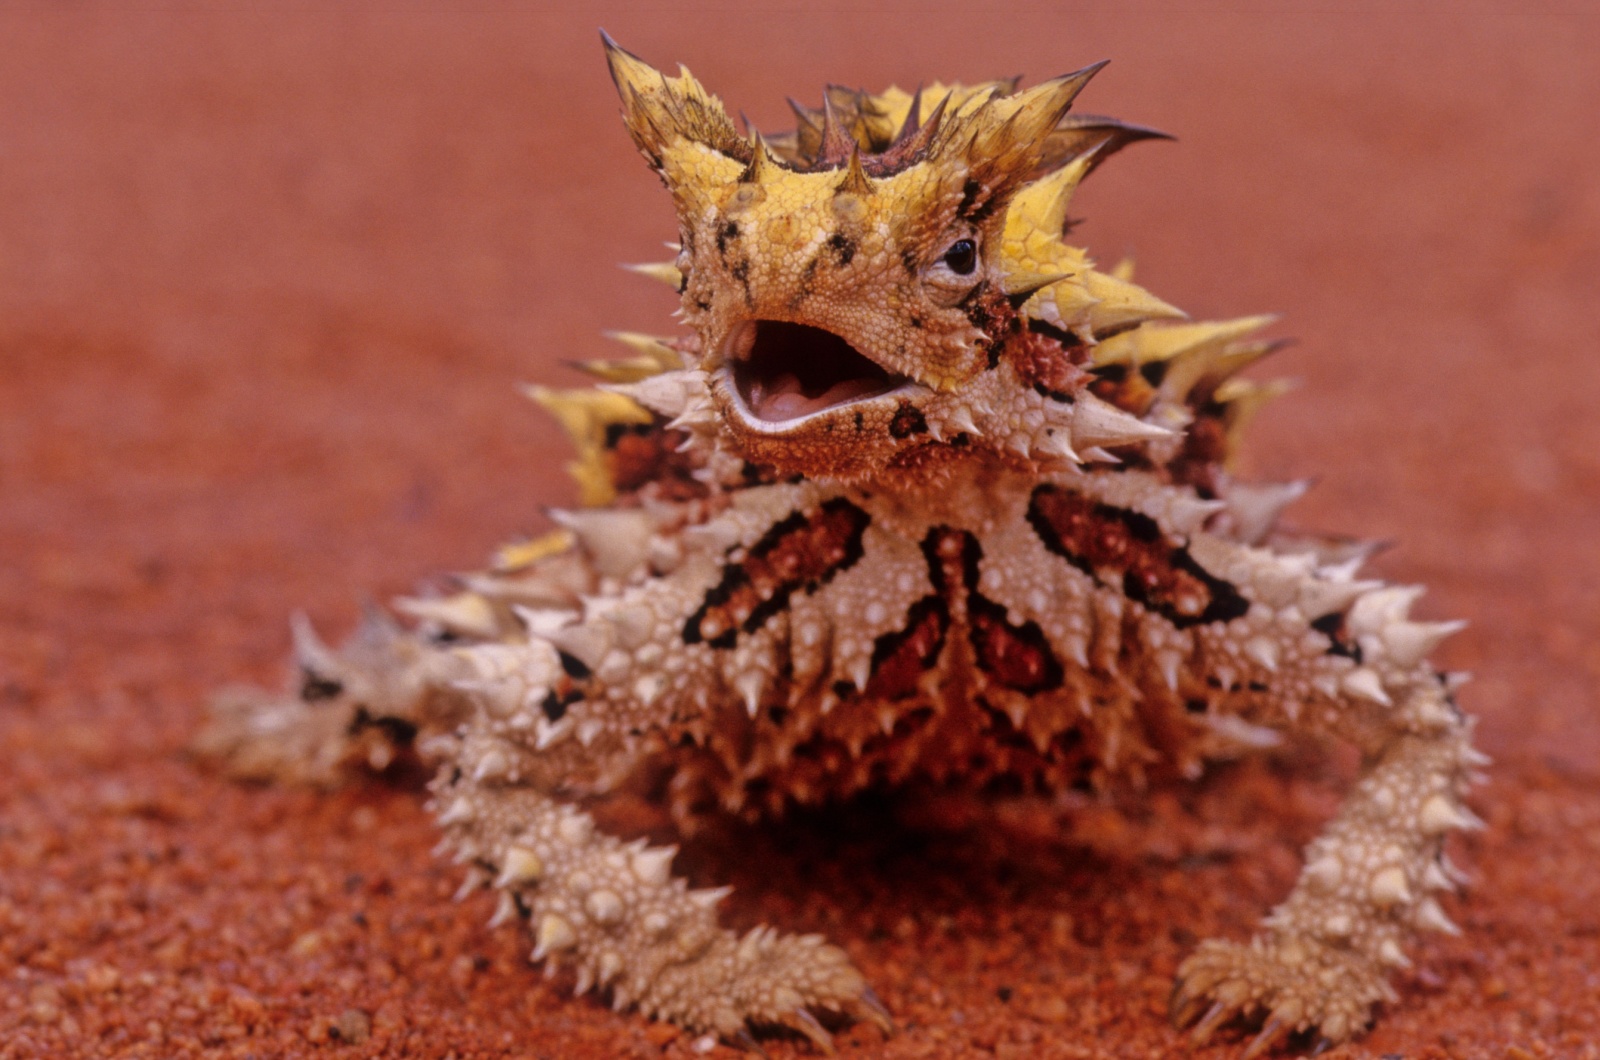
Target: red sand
(267, 282)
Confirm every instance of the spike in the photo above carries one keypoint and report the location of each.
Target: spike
(588, 642)
(837, 143)
(961, 419)
(1408, 643)
(1255, 507)
(1390, 953)
(1022, 284)
(474, 879)
(1430, 917)
(460, 809)
(660, 110)
(555, 935)
(504, 911)
(707, 898)
(751, 684)
(1263, 652)
(1364, 683)
(913, 121)
(1320, 596)
(1324, 872)
(653, 865)
(310, 653)
(464, 613)
(1434, 878)
(661, 271)
(1389, 887)
(1098, 423)
(763, 167)
(548, 733)
(1054, 444)
(519, 867)
(617, 539)
(1373, 612)
(608, 967)
(1119, 304)
(855, 180)
(603, 906)
(1439, 815)
(1188, 514)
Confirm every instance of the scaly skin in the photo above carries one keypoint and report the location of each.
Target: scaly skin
(921, 496)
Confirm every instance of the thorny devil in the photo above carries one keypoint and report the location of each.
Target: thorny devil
(922, 497)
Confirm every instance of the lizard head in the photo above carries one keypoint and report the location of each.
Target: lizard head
(856, 285)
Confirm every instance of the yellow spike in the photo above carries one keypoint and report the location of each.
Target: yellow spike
(652, 356)
(1121, 304)
(660, 110)
(763, 167)
(1042, 205)
(1244, 398)
(584, 415)
(1123, 270)
(523, 554)
(664, 271)
(1160, 342)
(1066, 304)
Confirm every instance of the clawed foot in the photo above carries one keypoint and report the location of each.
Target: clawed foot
(1279, 985)
(784, 981)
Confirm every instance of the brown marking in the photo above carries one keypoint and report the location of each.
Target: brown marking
(1126, 551)
(641, 454)
(1046, 364)
(908, 420)
(800, 553)
(900, 659)
(1016, 656)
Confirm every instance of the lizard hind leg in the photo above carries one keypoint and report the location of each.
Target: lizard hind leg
(345, 709)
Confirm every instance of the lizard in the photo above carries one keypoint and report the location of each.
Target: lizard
(920, 495)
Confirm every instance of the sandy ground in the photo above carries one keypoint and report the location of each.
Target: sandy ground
(268, 280)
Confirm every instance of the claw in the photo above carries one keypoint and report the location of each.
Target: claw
(1322, 1046)
(1215, 1017)
(807, 1024)
(747, 1041)
(1271, 1033)
(876, 1011)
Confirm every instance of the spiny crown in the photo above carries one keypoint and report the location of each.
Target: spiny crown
(887, 287)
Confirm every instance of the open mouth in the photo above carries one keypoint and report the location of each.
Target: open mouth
(784, 371)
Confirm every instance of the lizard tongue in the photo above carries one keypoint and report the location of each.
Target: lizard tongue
(783, 398)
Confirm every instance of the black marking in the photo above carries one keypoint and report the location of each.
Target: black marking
(725, 235)
(1054, 395)
(861, 422)
(397, 730)
(574, 667)
(555, 706)
(314, 686)
(908, 420)
(741, 272)
(909, 260)
(1101, 540)
(778, 574)
(615, 432)
(969, 196)
(1332, 627)
(843, 247)
(1154, 371)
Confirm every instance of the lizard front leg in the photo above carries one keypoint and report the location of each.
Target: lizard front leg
(1323, 957)
(571, 712)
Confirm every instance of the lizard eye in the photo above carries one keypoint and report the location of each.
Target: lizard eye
(961, 257)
